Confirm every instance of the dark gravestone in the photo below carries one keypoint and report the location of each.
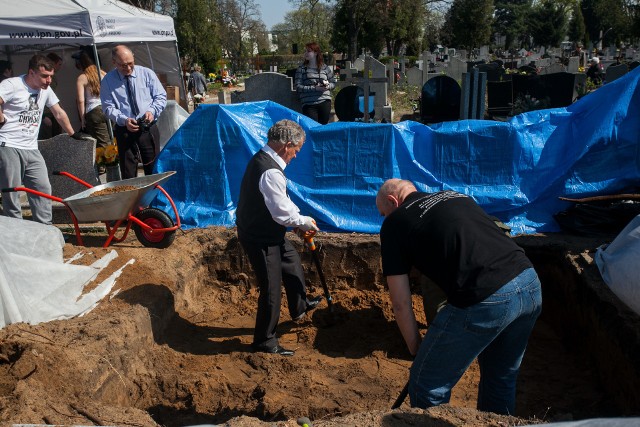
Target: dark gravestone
(494, 71)
(471, 64)
(474, 85)
(633, 65)
(559, 88)
(65, 154)
(614, 72)
(347, 104)
(440, 100)
(499, 98)
(291, 73)
(527, 84)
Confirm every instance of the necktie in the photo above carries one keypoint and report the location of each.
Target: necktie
(132, 98)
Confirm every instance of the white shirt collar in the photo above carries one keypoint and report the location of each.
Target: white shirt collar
(270, 151)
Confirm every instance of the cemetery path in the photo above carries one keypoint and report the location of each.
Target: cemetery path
(172, 348)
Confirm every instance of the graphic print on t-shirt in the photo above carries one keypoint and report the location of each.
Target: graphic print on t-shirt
(30, 118)
(430, 200)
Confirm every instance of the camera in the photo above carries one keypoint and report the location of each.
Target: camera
(144, 125)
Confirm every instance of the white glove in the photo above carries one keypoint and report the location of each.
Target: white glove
(308, 224)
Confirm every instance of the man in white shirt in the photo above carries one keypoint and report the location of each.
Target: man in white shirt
(22, 101)
(263, 215)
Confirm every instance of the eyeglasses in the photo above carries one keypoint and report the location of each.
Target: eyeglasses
(125, 65)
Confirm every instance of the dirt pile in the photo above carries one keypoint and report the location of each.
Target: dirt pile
(172, 348)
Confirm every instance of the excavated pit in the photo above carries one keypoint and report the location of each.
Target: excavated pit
(173, 346)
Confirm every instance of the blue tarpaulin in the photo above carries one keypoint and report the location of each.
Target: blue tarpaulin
(515, 170)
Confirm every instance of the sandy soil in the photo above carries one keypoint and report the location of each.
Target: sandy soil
(172, 348)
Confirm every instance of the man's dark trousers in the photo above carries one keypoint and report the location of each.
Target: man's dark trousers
(274, 265)
(128, 145)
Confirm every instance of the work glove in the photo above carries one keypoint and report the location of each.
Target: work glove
(308, 224)
(80, 135)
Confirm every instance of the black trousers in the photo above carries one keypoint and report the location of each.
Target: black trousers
(319, 112)
(274, 265)
(134, 147)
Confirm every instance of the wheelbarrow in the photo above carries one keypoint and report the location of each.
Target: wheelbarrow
(117, 203)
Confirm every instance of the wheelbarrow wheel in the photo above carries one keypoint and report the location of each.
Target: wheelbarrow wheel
(154, 218)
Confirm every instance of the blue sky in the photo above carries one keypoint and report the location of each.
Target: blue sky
(273, 11)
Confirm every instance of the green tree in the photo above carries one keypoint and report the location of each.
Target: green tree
(241, 22)
(510, 21)
(549, 23)
(469, 23)
(310, 22)
(197, 32)
(606, 16)
(577, 28)
(349, 19)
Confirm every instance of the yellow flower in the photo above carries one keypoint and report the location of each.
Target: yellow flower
(107, 156)
(99, 154)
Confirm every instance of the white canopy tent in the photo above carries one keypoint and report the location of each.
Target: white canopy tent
(63, 26)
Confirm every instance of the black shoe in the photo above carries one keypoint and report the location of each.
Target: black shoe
(276, 349)
(311, 304)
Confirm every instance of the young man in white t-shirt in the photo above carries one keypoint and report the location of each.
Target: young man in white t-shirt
(22, 101)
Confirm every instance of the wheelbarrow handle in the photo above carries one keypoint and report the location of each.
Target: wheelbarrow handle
(32, 191)
(73, 177)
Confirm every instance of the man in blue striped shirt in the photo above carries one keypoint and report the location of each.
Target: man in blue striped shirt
(133, 98)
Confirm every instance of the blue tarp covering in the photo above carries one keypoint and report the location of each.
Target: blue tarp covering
(515, 170)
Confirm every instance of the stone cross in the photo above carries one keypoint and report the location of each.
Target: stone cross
(365, 82)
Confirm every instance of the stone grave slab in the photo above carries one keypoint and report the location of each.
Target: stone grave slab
(614, 72)
(269, 86)
(414, 76)
(65, 154)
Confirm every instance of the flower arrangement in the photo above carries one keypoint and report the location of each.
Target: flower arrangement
(107, 156)
(229, 81)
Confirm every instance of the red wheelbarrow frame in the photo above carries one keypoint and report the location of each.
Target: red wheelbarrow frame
(130, 220)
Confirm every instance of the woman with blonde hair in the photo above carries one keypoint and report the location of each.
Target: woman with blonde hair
(92, 119)
(314, 82)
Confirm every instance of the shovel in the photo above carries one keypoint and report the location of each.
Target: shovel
(307, 236)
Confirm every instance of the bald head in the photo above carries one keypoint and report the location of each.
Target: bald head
(392, 194)
(123, 59)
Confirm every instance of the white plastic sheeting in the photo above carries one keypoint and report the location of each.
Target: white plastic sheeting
(35, 284)
(618, 265)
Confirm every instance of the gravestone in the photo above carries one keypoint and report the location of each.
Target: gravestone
(614, 72)
(347, 72)
(347, 103)
(414, 76)
(493, 70)
(473, 94)
(574, 64)
(559, 88)
(358, 64)
(462, 54)
(552, 69)
(456, 68)
(484, 53)
(268, 86)
(65, 154)
(499, 98)
(542, 62)
(440, 100)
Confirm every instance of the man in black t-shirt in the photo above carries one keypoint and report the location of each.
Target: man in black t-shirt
(493, 293)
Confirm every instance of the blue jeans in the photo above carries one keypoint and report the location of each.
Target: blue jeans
(495, 331)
